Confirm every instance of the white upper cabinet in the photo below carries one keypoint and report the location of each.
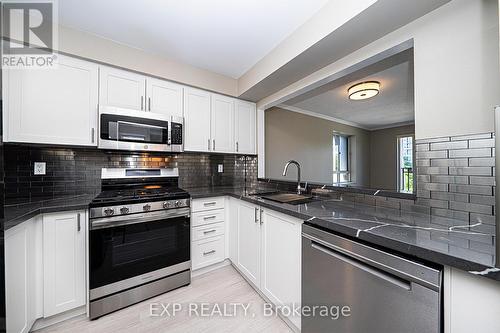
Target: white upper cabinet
(222, 124)
(245, 127)
(196, 120)
(64, 253)
(122, 88)
(164, 97)
(52, 106)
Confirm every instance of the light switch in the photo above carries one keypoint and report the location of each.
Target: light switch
(220, 168)
(40, 168)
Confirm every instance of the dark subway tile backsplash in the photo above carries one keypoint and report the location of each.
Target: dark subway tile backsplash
(78, 170)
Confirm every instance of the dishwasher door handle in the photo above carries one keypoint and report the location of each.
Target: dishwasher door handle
(397, 281)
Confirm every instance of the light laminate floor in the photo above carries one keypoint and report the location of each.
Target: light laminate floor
(221, 286)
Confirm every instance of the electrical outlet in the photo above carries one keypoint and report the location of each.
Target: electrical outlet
(220, 168)
(40, 168)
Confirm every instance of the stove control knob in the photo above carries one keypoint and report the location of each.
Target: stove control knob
(124, 210)
(109, 211)
(146, 207)
(178, 203)
(167, 204)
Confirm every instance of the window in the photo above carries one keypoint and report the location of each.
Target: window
(340, 159)
(405, 164)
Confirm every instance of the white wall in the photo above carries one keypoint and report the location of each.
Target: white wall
(457, 79)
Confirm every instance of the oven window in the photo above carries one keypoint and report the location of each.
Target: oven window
(126, 251)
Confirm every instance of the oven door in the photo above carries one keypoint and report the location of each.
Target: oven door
(133, 130)
(129, 255)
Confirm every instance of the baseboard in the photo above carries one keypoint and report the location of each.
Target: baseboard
(210, 268)
(46, 322)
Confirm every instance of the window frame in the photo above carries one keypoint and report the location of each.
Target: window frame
(337, 174)
(398, 162)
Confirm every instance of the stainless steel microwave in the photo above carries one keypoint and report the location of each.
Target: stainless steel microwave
(124, 129)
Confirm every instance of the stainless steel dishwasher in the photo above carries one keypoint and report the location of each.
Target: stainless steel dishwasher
(383, 292)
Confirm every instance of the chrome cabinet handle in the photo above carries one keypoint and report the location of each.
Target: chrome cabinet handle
(209, 231)
(209, 203)
(260, 217)
(209, 252)
(142, 102)
(214, 144)
(237, 147)
(256, 219)
(208, 144)
(92, 133)
(209, 217)
(149, 102)
(79, 226)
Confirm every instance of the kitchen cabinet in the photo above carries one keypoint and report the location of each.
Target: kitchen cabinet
(281, 259)
(64, 254)
(222, 124)
(121, 88)
(197, 120)
(53, 106)
(208, 242)
(249, 242)
(268, 251)
(21, 276)
(164, 97)
(245, 119)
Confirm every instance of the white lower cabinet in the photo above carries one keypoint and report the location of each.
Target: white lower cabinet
(45, 270)
(281, 260)
(268, 251)
(63, 262)
(248, 257)
(208, 242)
(21, 276)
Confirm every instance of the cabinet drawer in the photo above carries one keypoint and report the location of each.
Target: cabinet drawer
(208, 251)
(199, 205)
(207, 231)
(202, 218)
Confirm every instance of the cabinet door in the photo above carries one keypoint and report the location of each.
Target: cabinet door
(121, 88)
(196, 120)
(222, 124)
(53, 106)
(245, 117)
(20, 277)
(164, 97)
(232, 229)
(281, 259)
(249, 242)
(64, 261)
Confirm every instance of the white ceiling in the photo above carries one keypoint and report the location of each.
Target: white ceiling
(394, 105)
(223, 36)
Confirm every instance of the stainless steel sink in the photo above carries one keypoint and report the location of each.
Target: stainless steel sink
(289, 198)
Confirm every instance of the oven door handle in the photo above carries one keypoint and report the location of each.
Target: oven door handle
(116, 221)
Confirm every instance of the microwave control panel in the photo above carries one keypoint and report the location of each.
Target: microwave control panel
(176, 134)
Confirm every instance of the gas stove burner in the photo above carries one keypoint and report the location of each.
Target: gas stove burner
(123, 186)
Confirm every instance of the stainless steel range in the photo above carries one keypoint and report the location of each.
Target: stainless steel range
(139, 238)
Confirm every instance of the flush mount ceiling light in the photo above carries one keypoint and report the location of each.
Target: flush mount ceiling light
(364, 90)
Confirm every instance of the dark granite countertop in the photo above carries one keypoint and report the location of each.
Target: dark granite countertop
(424, 237)
(420, 236)
(18, 211)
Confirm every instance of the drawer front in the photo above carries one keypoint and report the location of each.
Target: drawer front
(212, 216)
(207, 231)
(206, 252)
(199, 205)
